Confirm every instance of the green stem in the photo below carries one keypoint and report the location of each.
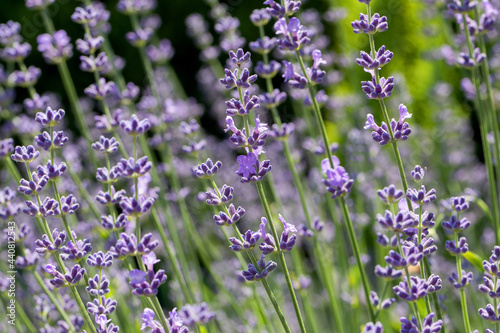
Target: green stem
(483, 129)
(281, 257)
(54, 301)
(463, 301)
(82, 308)
(159, 310)
(268, 289)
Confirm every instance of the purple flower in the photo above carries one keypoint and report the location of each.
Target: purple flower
(76, 252)
(25, 154)
(235, 214)
(146, 283)
(89, 45)
(6, 147)
(129, 7)
(55, 48)
(295, 80)
(195, 314)
(127, 245)
(460, 283)
(421, 196)
(162, 53)
(134, 126)
(371, 327)
(490, 313)
(263, 45)
(148, 321)
(34, 185)
(250, 170)
(207, 169)
(16, 52)
(108, 176)
(388, 273)
(237, 107)
(98, 285)
(337, 180)
(390, 194)
(272, 100)
(463, 6)
(277, 10)
(134, 168)
(294, 34)
(132, 207)
(464, 60)
(93, 63)
(256, 274)
(249, 241)
(28, 260)
(412, 326)
(260, 17)
(140, 37)
(456, 225)
(47, 143)
(233, 79)
(84, 15)
(100, 90)
(267, 246)
(100, 260)
(419, 288)
(101, 306)
(71, 278)
(382, 57)
(108, 222)
(26, 78)
(287, 241)
(38, 4)
(45, 245)
(374, 90)
(53, 171)
(418, 173)
(105, 145)
(370, 26)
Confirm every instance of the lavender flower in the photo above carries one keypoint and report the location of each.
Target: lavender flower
(248, 242)
(45, 245)
(34, 185)
(127, 245)
(25, 154)
(294, 34)
(257, 274)
(134, 126)
(100, 260)
(380, 91)
(410, 326)
(380, 59)
(337, 179)
(71, 278)
(370, 25)
(235, 214)
(146, 283)
(55, 48)
(196, 314)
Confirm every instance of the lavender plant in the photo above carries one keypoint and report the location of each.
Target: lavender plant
(260, 206)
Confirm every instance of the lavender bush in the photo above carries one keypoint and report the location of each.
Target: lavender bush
(283, 199)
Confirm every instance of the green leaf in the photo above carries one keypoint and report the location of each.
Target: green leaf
(474, 259)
